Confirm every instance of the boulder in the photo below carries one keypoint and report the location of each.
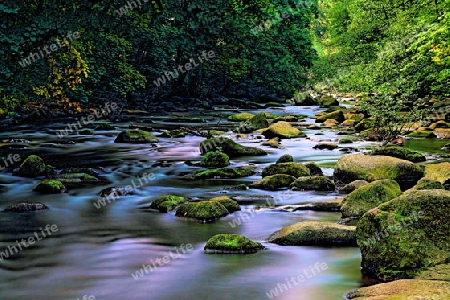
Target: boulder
(273, 182)
(273, 143)
(285, 158)
(204, 211)
(364, 167)
(34, 165)
(230, 204)
(104, 126)
(328, 205)
(222, 173)
(314, 169)
(175, 133)
(327, 100)
(337, 115)
(399, 152)
(241, 117)
(325, 146)
(316, 183)
(228, 147)
(439, 172)
(136, 137)
(167, 203)
(215, 160)
(369, 196)
(289, 168)
(422, 134)
(428, 184)
(282, 130)
(231, 244)
(50, 186)
(26, 207)
(402, 237)
(354, 185)
(312, 233)
(254, 123)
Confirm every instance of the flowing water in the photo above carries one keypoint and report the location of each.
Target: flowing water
(94, 252)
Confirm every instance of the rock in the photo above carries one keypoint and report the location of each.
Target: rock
(273, 143)
(364, 125)
(369, 196)
(290, 168)
(414, 229)
(254, 123)
(315, 183)
(354, 185)
(241, 117)
(33, 165)
(104, 126)
(176, 133)
(26, 207)
(326, 101)
(329, 205)
(428, 184)
(285, 119)
(314, 127)
(167, 203)
(408, 289)
(50, 186)
(273, 182)
(204, 211)
(215, 160)
(136, 137)
(325, 146)
(312, 233)
(282, 130)
(303, 99)
(115, 192)
(86, 131)
(314, 169)
(222, 173)
(212, 133)
(285, 158)
(439, 172)
(230, 204)
(422, 134)
(364, 167)
(399, 152)
(229, 147)
(330, 123)
(347, 140)
(337, 115)
(81, 175)
(231, 244)
(439, 124)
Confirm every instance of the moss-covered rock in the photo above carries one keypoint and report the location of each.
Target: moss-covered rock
(369, 196)
(283, 130)
(348, 140)
(337, 115)
(399, 152)
(289, 168)
(325, 146)
(213, 133)
(230, 204)
(215, 160)
(428, 184)
(285, 119)
(167, 203)
(81, 175)
(402, 237)
(241, 117)
(26, 207)
(315, 234)
(32, 166)
(104, 126)
(175, 133)
(422, 134)
(50, 186)
(328, 205)
(222, 173)
(314, 169)
(316, 183)
(274, 182)
(115, 192)
(205, 211)
(364, 167)
(273, 143)
(354, 185)
(231, 244)
(327, 100)
(330, 123)
(136, 136)
(229, 147)
(86, 131)
(254, 123)
(285, 158)
(439, 172)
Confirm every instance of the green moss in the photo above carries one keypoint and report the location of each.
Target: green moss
(422, 134)
(289, 168)
(176, 133)
(314, 169)
(337, 115)
(33, 165)
(230, 204)
(50, 186)
(213, 133)
(286, 119)
(285, 158)
(215, 160)
(420, 239)
(274, 182)
(86, 131)
(238, 172)
(439, 172)
(82, 176)
(348, 140)
(231, 243)
(167, 203)
(283, 130)
(104, 126)
(254, 123)
(229, 147)
(326, 101)
(399, 152)
(427, 184)
(369, 196)
(316, 183)
(241, 117)
(354, 185)
(205, 211)
(273, 143)
(135, 136)
(315, 234)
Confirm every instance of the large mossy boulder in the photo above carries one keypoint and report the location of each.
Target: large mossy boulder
(327, 101)
(223, 173)
(230, 204)
(215, 160)
(273, 182)
(231, 244)
(136, 137)
(50, 186)
(282, 130)
(369, 196)
(167, 203)
(285, 158)
(205, 211)
(428, 184)
(34, 165)
(399, 152)
(354, 185)
(315, 234)
(26, 207)
(439, 172)
(240, 117)
(314, 169)
(256, 122)
(370, 168)
(337, 115)
(402, 237)
(289, 168)
(229, 147)
(315, 183)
